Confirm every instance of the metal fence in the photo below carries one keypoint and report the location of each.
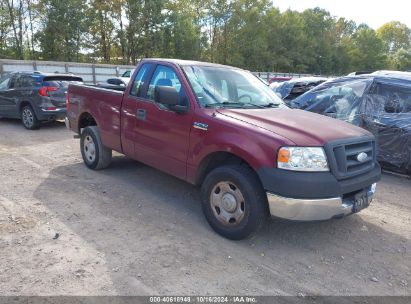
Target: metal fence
(91, 73)
(94, 73)
(269, 75)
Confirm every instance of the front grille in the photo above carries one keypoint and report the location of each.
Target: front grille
(343, 157)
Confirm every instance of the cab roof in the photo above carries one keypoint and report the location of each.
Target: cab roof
(182, 62)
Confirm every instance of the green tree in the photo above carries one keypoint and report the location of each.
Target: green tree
(401, 60)
(243, 39)
(395, 36)
(144, 31)
(100, 14)
(181, 34)
(63, 29)
(15, 11)
(368, 53)
(291, 43)
(5, 29)
(319, 41)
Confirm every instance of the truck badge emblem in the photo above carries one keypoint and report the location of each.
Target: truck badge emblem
(200, 126)
(362, 157)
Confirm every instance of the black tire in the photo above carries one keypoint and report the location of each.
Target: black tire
(254, 208)
(101, 158)
(29, 118)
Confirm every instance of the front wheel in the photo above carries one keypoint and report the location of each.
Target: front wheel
(234, 202)
(95, 155)
(29, 119)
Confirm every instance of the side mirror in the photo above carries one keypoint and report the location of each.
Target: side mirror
(166, 95)
(170, 97)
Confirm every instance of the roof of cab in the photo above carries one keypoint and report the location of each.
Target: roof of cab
(182, 62)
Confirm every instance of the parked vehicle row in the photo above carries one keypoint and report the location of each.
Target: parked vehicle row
(223, 129)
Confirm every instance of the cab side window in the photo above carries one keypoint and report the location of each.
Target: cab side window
(167, 77)
(138, 82)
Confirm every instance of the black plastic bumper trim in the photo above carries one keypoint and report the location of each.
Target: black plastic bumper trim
(311, 185)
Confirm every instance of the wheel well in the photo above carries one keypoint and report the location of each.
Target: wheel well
(23, 104)
(86, 120)
(214, 160)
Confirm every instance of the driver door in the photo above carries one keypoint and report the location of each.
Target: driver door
(162, 135)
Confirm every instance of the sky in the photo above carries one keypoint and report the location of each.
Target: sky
(374, 13)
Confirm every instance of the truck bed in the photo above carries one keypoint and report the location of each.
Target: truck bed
(103, 104)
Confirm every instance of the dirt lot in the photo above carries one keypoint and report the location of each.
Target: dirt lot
(132, 230)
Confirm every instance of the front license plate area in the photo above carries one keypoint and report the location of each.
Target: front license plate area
(361, 201)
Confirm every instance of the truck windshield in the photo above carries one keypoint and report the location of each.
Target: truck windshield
(230, 88)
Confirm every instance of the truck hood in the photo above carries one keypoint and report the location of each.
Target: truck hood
(301, 127)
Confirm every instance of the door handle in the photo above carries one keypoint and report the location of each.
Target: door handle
(141, 114)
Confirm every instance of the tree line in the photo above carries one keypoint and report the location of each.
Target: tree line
(251, 34)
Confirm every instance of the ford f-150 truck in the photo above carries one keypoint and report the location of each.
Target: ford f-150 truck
(221, 128)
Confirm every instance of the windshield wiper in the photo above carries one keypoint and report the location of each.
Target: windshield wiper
(264, 106)
(241, 104)
(271, 105)
(222, 104)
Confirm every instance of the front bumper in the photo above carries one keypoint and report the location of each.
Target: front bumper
(313, 209)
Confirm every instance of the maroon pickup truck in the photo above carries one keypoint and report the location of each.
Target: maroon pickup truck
(221, 128)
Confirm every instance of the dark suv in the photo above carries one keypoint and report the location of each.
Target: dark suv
(34, 97)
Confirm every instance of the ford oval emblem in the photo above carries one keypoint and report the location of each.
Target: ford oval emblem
(362, 157)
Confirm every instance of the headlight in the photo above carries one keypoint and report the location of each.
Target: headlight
(302, 159)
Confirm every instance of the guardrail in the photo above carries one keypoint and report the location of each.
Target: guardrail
(269, 75)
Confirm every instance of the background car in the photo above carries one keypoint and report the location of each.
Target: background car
(113, 84)
(34, 96)
(380, 103)
(288, 90)
(278, 79)
(117, 83)
(126, 76)
(356, 73)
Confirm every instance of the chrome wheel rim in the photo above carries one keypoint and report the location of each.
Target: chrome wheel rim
(28, 117)
(89, 149)
(227, 203)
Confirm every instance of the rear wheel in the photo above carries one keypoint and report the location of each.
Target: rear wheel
(234, 202)
(95, 155)
(29, 119)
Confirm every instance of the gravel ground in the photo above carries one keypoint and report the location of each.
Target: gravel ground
(133, 230)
